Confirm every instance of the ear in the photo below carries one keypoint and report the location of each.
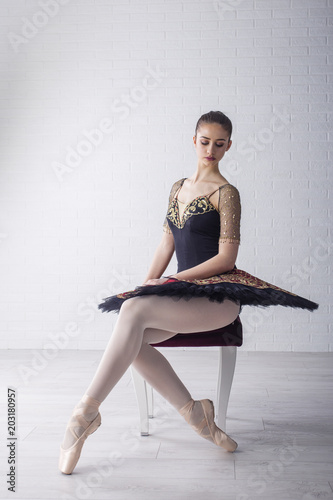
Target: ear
(194, 140)
(229, 145)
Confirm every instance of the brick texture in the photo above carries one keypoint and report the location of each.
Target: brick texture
(99, 101)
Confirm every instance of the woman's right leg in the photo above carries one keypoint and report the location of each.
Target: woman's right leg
(137, 319)
(157, 371)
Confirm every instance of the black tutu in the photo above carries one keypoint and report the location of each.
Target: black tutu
(236, 285)
(196, 235)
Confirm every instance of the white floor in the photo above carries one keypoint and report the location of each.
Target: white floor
(280, 413)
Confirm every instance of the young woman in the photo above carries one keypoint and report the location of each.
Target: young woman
(203, 227)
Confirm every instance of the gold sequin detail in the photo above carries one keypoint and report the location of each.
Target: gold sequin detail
(173, 191)
(166, 228)
(237, 276)
(240, 277)
(230, 214)
(198, 206)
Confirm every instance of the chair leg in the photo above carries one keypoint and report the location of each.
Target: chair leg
(227, 361)
(141, 396)
(150, 400)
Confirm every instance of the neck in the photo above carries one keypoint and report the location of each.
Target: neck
(206, 172)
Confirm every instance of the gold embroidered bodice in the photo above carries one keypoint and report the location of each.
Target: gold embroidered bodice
(197, 206)
(229, 210)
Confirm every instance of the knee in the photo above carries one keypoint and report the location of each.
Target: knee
(134, 310)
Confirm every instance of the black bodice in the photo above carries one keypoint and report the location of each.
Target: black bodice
(196, 234)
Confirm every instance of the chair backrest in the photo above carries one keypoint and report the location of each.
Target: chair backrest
(230, 335)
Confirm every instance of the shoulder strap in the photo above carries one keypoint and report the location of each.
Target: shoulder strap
(227, 184)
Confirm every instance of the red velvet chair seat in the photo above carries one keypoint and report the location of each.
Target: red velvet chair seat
(230, 335)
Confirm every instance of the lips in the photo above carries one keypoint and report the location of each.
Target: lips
(210, 158)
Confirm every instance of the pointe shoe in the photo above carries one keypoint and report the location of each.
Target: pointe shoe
(216, 435)
(69, 457)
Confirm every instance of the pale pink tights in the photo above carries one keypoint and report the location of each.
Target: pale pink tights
(146, 320)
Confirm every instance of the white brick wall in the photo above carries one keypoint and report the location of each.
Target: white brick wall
(71, 67)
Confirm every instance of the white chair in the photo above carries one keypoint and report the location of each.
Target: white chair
(228, 339)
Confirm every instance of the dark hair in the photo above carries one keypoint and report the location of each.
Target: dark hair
(215, 117)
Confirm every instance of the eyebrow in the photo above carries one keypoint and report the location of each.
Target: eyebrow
(203, 137)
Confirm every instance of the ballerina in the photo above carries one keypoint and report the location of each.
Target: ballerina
(202, 226)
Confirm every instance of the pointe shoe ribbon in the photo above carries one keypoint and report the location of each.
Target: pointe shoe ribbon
(70, 456)
(216, 435)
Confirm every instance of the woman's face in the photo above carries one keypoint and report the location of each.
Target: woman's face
(211, 143)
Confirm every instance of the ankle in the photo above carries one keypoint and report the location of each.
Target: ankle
(186, 408)
(187, 411)
(90, 401)
(89, 407)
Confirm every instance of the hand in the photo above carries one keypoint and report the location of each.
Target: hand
(158, 281)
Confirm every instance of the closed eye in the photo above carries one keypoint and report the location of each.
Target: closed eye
(218, 145)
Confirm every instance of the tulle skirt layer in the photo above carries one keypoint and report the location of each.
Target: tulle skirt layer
(236, 285)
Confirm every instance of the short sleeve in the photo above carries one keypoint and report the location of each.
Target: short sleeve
(166, 227)
(174, 189)
(230, 214)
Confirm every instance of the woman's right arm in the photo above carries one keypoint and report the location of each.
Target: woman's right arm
(162, 257)
(166, 247)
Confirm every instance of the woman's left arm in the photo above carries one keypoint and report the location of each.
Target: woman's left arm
(222, 262)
